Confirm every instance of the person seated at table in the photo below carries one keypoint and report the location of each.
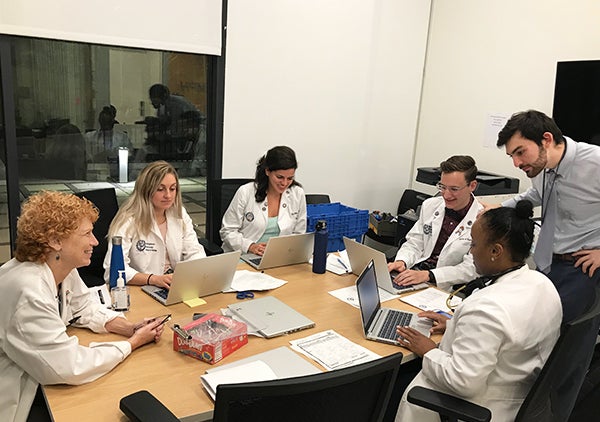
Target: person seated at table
(156, 230)
(501, 335)
(274, 204)
(437, 247)
(42, 293)
(102, 145)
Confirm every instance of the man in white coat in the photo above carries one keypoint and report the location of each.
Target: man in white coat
(437, 247)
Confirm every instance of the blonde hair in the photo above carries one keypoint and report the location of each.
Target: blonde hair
(139, 205)
(46, 216)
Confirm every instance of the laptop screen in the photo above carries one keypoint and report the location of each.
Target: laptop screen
(368, 294)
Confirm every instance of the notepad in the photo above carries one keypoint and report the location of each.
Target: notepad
(247, 372)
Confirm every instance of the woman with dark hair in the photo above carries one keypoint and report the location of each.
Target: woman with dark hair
(502, 333)
(274, 204)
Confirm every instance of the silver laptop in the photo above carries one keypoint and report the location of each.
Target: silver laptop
(359, 256)
(379, 324)
(283, 250)
(197, 278)
(270, 316)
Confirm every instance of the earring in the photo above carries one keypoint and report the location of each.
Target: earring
(492, 259)
(57, 257)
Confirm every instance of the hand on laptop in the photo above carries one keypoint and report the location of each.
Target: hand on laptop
(414, 341)
(163, 280)
(257, 248)
(439, 321)
(396, 266)
(409, 277)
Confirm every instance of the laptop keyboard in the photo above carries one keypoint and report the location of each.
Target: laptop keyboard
(255, 261)
(162, 293)
(392, 320)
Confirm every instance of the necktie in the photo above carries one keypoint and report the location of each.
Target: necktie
(545, 243)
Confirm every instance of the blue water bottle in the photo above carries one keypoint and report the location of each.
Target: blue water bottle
(320, 248)
(117, 262)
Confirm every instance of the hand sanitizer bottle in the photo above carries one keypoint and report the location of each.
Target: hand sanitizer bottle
(120, 294)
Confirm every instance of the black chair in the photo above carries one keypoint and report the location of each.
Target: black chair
(317, 198)
(553, 395)
(358, 393)
(220, 192)
(106, 202)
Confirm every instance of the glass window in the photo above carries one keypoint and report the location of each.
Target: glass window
(91, 116)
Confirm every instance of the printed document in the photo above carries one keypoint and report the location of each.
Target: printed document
(431, 299)
(333, 351)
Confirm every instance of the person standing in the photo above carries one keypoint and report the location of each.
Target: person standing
(564, 182)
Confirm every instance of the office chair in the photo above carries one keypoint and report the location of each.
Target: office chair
(359, 393)
(220, 192)
(317, 198)
(106, 202)
(553, 395)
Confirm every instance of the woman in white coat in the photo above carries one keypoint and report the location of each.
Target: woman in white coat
(156, 230)
(274, 204)
(42, 293)
(501, 335)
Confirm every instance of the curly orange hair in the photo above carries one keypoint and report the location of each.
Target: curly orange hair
(49, 215)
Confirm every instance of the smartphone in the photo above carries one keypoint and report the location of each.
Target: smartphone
(165, 318)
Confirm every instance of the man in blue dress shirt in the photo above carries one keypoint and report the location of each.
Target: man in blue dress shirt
(565, 182)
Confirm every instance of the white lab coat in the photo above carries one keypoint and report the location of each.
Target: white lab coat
(245, 220)
(34, 345)
(455, 263)
(146, 253)
(494, 347)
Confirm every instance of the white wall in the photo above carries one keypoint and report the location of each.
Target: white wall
(495, 56)
(338, 80)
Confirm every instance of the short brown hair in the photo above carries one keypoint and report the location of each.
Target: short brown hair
(461, 163)
(49, 215)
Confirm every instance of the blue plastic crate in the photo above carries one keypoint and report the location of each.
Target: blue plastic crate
(341, 221)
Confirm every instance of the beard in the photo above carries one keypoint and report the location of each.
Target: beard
(538, 165)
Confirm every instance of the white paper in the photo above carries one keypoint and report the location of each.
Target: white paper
(431, 299)
(350, 296)
(337, 264)
(244, 280)
(248, 372)
(332, 350)
(493, 125)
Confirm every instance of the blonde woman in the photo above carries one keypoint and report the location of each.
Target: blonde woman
(156, 230)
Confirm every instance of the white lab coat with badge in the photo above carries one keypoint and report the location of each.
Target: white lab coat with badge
(34, 345)
(493, 348)
(245, 220)
(146, 253)
(455, 263)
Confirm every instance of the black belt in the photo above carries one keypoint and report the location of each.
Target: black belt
(564, 257)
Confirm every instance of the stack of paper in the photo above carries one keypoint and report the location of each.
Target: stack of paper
(431, 299)
(248, 372)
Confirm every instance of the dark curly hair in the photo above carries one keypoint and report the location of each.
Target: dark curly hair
(277, 158)
(512, 227)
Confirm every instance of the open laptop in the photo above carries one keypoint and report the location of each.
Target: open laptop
(270, 316)
(379, 324)
(359, 256)
(197, 278)
(283, 250)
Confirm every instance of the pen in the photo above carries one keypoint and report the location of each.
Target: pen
(342, 263)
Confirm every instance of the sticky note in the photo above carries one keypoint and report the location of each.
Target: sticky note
(195, 302)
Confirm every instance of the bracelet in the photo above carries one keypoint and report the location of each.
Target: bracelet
(148, 279)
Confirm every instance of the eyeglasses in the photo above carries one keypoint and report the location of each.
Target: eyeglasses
(453, 189)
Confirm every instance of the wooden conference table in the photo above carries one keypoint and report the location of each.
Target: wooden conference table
(174, 378)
